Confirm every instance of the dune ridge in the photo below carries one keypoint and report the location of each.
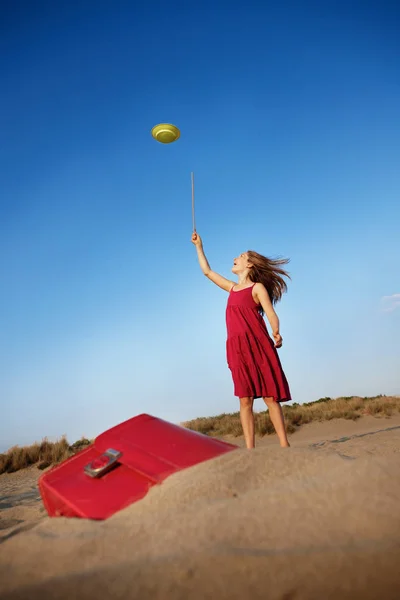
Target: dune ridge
(317, 520)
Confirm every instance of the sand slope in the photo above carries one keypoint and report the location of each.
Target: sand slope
(318, 520)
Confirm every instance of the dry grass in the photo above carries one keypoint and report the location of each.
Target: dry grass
(42, 454)
(47, 453)
(296, 415)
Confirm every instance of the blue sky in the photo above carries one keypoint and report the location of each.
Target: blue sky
(289, 117)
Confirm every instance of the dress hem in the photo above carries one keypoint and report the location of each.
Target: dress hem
(279, 400)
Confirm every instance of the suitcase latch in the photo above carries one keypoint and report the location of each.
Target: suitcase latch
(103, 463)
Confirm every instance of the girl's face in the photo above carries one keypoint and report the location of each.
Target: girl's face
(241, 263)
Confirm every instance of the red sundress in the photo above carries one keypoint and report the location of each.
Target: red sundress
(251, 353)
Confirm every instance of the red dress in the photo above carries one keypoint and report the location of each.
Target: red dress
(251, 353)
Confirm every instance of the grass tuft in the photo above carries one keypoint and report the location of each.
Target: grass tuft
(41, 454)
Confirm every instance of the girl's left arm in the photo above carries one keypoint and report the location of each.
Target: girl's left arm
(262, 296)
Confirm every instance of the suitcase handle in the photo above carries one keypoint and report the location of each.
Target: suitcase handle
(103, 463)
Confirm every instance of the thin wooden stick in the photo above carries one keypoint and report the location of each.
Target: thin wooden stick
(193, 219)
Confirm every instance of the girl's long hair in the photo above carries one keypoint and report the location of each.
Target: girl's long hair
(269, 272)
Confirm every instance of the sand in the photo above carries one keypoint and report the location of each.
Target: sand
(318, 520)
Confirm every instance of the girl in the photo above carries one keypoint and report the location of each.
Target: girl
(251, 353)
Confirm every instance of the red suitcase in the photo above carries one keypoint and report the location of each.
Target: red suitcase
(122, 465)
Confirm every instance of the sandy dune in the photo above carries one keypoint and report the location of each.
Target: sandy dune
(319, 520)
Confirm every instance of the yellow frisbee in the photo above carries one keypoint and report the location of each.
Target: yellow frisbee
(165, 133)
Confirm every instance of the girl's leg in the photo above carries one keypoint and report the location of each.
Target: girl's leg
(278, 421)
(247, 420)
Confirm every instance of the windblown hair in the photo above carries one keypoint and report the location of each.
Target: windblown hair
(269, 272)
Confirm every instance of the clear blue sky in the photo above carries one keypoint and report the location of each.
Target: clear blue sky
(290, 118)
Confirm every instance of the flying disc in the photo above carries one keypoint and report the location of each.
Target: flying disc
(165, 133)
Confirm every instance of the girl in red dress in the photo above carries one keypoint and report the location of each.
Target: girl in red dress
(251, 353)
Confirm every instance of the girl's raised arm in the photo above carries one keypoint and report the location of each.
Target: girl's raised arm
(222, 282)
